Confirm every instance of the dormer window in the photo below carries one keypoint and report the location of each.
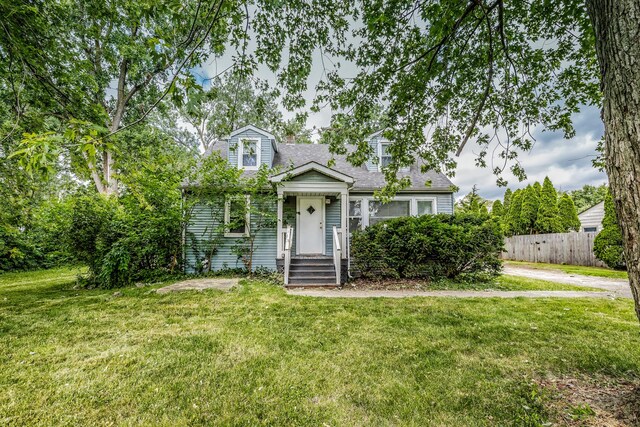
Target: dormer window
(249, 153)
(385, 156)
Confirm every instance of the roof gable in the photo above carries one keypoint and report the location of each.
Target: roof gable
(258, 130)
(312, 167)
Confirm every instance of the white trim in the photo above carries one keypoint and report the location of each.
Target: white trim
(324, 222)
(312, 166)
(253, 128)
(312, 187)
(433, 200)
(413, 206)
(240, 149)
(227, 217)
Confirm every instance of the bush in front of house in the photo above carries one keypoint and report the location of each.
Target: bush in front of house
(432, 247)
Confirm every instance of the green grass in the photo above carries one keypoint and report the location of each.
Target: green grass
(510, 283)
(257, 356)
(573, 269)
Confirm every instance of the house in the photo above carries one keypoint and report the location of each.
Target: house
(317, 206)
(591, 218)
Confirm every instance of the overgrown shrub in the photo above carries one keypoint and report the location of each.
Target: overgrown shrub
(607, 245)
(122, 240)
(430, 247)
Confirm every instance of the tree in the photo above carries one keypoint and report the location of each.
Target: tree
(607, 245)
(568, 214)
(512, 221)
(72, 52)
(588, 196)
(497, 210)
(529, 212)
(232, 101)
(472, 203)
(548, 219)
(507, 199)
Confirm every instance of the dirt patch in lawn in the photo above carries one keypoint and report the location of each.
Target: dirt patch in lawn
(599, 401)
(221, 284)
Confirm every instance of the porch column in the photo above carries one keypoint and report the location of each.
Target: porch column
(279, 247)
(344, 203)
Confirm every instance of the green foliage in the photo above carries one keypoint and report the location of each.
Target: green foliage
(472, 203)
(535, 210)
(512, 221)
(430, 246)
(548, 219)
(588, 196)
(497, 210)
(568, 214)
(607, 245)
(529, 211)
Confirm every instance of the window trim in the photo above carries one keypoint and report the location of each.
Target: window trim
(386, 142)
(227, 216)
(258, 142)
(395, 199)
(413, 206)
(434, 204)
(363, 203)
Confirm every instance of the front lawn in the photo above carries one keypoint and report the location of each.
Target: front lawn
(572, 269)
(257, 356)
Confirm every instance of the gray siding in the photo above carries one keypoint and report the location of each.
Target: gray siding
(266, 151)
(332, 217)
(592, 217)
(204, 220)
(444, 202)
(373, 142)
(313, 176)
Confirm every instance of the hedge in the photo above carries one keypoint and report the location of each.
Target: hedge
(429, 247)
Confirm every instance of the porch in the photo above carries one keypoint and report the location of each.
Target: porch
(312, 212)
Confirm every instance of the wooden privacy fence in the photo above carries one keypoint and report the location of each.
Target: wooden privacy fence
(558, 248)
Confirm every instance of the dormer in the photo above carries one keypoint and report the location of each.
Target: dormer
(250, 147)
(380, 145)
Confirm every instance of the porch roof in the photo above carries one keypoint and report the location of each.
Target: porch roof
(312, 166)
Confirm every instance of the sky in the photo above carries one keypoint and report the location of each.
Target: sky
(567, 162)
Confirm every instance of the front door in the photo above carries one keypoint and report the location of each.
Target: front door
(310, 225)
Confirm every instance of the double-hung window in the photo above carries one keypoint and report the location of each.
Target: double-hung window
(237, 216)
(249, 153)
(355, 214)
(385, 156)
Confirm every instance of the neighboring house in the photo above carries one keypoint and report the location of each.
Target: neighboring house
(317, 206)
(591, 219)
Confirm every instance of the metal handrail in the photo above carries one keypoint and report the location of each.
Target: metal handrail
(287, 236)
(337, 252)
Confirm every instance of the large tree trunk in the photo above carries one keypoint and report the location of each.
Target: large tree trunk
(617, 29)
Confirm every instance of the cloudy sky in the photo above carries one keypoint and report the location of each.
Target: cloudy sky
(566, 162)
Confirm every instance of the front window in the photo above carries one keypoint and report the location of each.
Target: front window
(379, 211)
(249, 152)
(355, 215)
(590, 229)
(236, 217)
(425, 207)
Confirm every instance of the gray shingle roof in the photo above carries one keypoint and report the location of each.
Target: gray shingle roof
(294, 155)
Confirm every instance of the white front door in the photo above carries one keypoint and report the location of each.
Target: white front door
(310, 225)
